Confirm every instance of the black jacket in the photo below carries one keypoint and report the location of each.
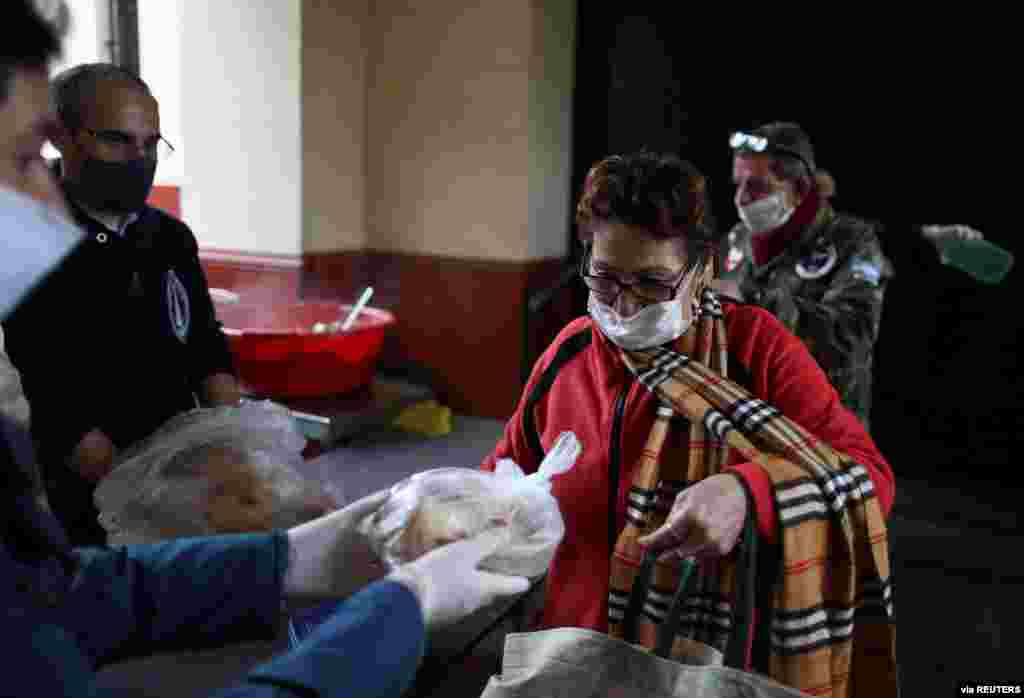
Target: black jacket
(119, 338)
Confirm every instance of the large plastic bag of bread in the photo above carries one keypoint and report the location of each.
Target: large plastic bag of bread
(212, 471)
(437, 507)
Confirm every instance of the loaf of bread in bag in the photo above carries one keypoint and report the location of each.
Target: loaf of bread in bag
(438, 521)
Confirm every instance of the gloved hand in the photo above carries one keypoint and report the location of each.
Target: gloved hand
(448, 584)
(966, 249)
(329, 557)
(706, 520)
(950, 232)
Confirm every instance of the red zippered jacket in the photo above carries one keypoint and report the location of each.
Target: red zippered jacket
(580, 384)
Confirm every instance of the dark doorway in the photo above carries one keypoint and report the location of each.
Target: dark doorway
(913, 134)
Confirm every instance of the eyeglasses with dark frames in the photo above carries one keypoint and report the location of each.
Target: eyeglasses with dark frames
(608, 288)
(157, 148)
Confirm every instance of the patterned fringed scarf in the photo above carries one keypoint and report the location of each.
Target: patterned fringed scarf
(832, 628)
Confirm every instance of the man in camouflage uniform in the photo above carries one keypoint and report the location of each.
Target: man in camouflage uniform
(820, 272)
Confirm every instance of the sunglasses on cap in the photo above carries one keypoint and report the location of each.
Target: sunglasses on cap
(760, 144)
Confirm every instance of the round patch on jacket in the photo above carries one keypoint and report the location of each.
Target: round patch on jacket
(179, 311)
(818, 263)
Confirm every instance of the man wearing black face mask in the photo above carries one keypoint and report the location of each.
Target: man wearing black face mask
(124, 336)
(110, 139)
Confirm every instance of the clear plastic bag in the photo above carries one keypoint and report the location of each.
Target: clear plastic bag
(436, 507)
(210, 471)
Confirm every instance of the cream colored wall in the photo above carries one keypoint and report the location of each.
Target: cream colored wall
(469, 135)
(552, 76)
(160, 65)
(440, 128)
(448, 135)
(334, 62)
(241, 121)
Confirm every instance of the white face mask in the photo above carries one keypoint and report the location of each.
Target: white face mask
(36, 239)
(653, 326)
(766, 214)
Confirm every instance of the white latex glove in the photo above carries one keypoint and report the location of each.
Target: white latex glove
(329, 557)
(448, 584)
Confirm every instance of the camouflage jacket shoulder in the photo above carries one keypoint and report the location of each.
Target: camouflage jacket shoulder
(854, 238)
(827, 288)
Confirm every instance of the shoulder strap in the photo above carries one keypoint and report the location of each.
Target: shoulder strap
(670, 628)
(746, 578)
(569, 349)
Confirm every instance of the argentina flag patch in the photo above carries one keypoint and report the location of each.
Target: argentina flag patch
(867, 270)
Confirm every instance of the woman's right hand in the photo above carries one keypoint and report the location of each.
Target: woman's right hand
(706, 520)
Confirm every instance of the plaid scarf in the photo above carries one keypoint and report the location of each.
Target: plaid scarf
(831, 619)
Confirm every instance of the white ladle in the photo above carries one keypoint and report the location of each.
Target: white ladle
(356, 309)
(353, 315)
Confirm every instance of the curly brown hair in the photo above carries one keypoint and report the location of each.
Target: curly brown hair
(661, 193)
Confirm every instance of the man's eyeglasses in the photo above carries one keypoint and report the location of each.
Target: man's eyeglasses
(608, 288)
(760, 144)
(156, 148)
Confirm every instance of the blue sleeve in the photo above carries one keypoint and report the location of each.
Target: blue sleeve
(184, 594)
(43, 660)
(370, 648)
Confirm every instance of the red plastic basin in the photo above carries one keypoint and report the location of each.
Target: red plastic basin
(279, 356)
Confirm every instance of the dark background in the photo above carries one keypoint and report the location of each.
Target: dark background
(916, 123)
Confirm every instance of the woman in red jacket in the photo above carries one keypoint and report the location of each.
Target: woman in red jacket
(648, 265)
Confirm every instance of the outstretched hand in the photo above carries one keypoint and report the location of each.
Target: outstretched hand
(936, 233)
